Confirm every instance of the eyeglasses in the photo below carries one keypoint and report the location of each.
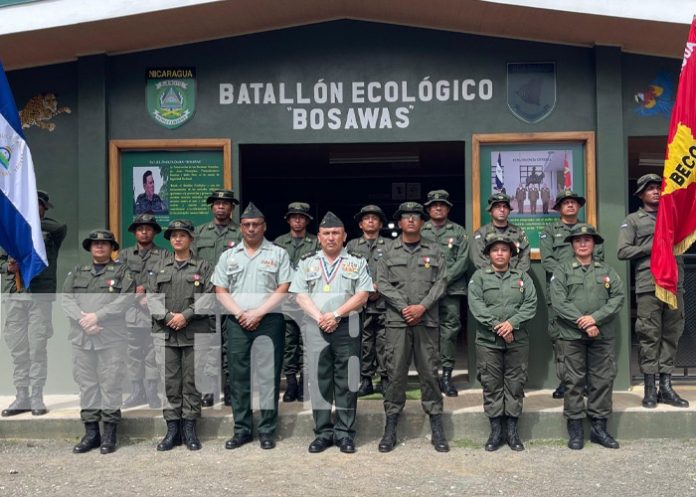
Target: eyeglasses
(251, 225)
(411, 215)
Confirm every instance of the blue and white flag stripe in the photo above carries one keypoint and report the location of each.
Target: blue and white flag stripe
(20, 223)
(499, 181)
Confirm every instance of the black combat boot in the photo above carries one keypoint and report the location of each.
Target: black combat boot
(668, 396)
(366, 387)
(291, 387)
(300, 388)
(599, 435)
(108, 443)
(495, 439)
(576, 434)
(38, 408)
(513, 438)
(207, 400)
(172, 438)
(91, 439)
(438, 433)
(137, 396)
(559, 393)
(388, 441)
(226, 395)
(446, 384)
(20, 404)
(190, 437)
(152, 394)
(650, 392)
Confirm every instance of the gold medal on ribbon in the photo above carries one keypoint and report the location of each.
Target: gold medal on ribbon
(327, 288)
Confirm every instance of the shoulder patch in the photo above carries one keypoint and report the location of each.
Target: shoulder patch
(477, 236)
(624, 225)
(543, 235)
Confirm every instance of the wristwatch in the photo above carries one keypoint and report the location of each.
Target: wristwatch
(337, 316)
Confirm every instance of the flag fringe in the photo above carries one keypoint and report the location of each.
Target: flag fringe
(666, 296)
(684, 245)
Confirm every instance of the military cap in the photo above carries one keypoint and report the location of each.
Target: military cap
(438, 196)
(645, 180)
(43, 198)
(222, 195)
(566, 194)
(498, 198)
(146, 218)
(581, 229)
(179, 225)
(99, 236)
(371, 209)
(301, 208)
(499, 238)
(251, 212)
(331, 220)
(410, 208)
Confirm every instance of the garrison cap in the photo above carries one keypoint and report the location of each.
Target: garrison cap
(179, 225)
(499, 238)
(43, 198)
(645, 180)
(410, 208)
(566, 194)
(222, 195)
(146, 218)
(581, 229)
(301, 208)
(251, 212)
(331, 220)
(371, 209)
(99, 236)
(498, 198)
(438, 196)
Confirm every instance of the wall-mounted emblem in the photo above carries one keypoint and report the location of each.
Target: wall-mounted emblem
(171, 95)
(658, 98)
(531, 90)
(39, 111)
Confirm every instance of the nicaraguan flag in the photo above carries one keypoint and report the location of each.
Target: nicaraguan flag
(20, 224)
(498, 174)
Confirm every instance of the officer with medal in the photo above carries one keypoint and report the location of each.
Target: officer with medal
(371, 245)
(499, 207)
(586, 295)
(211, 240)
(502, 300)
(250, 281)
(95, 299)
(332, 286)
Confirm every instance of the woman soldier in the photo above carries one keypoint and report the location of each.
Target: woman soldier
(587, 295)
(180, 277)
(502, 299)
(94, 301)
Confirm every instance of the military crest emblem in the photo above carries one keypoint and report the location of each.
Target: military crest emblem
(531, 90)
(171, 95)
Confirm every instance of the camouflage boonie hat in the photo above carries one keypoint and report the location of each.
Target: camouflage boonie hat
(498, 198)
(43, 198)
(251, 212)
(581, 229)
(410, 208)
(301, 208)
(331, 220)
(222, 195)
(498, 238)
(645, 180)
(566, 194)
(371, 209)
(179, 225)
(147, 218)
(438, 196)
(99, 236)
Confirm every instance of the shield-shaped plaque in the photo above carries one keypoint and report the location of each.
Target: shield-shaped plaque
(531, 90)
(171, 95)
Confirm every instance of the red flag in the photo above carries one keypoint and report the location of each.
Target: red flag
(675, 230)
(566, 173)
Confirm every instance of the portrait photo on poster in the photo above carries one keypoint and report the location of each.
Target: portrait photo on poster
(147, 191)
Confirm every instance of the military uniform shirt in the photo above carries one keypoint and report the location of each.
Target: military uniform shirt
(516, 234)
(141, 265)
(295, 250)
(454, 244)
(209, 242)
(144, 204)
(372, 251)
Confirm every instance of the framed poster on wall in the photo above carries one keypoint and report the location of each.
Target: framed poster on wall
(531, 168)
(171, 178)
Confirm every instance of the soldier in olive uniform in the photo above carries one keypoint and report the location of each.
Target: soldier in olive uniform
(499, 207)
(454, 244)
(658, 327)
(586, 295)
(250, 281)
(298, 243)
(95, 300)
(211, 240)
(371, 245)
(555, 251)
(140, 260)
(28, 322)
(181, 278)
(412, 278)
(533, 197)
(520, 196)
(545, 198)
(502, 299)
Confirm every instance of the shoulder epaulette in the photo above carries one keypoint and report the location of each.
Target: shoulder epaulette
(307, 256)
(356, 254)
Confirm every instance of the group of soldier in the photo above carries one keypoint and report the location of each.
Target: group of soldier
(324, 315)
(533, 193)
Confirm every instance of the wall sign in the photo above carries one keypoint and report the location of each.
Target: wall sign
(171, 95)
